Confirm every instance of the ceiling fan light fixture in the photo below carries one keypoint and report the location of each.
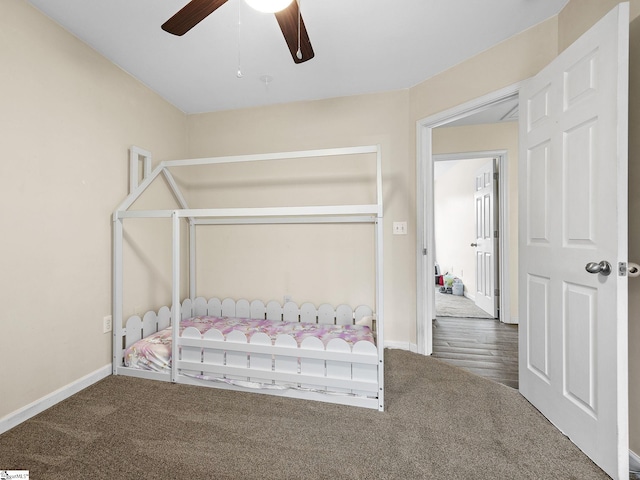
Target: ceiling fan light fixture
(269, 6)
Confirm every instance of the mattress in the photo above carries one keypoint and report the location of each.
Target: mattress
(154, 352)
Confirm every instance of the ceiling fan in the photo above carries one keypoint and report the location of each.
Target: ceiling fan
(288, 17)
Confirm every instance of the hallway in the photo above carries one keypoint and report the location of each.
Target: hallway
(485, 347)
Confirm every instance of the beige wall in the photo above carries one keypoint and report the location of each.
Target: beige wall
(309, 263)
(507, 63)
(67, 118)
(358, 120)
(478, 138)
(579, 15)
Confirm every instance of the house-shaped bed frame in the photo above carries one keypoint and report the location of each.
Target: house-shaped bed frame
(336, 372)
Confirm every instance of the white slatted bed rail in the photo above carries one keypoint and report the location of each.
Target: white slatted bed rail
(273, 310)
(349, 374)
(151, 322)
(336, 373)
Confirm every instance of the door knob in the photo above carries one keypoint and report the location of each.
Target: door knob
(603, 267)
(474, 244)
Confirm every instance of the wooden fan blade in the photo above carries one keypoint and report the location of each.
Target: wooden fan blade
(190, 15)
(288, 21)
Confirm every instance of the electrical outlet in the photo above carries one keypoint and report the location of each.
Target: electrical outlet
(399, 228)
(107, 324)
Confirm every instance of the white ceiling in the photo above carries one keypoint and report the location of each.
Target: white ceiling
(361, 46)
(504, 111)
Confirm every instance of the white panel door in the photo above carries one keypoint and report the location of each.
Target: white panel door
(573, 211)
(485, 242)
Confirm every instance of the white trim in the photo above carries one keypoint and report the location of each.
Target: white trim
(25, 413)
(424, 242)
(503, 241)
(424, 204)
(469, 108)
(512, 321)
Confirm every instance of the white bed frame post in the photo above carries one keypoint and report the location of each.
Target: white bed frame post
(176, 314)
(379, 282)
(117, 314)
(117, 292)
(192, 259)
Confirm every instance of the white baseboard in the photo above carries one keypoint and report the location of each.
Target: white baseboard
(634, 461)
(412, 347)
(25, 413)
(512, 321)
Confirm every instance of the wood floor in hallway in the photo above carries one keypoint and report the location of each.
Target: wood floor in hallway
(485, 347)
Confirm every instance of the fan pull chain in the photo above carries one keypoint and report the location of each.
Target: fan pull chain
(239, 72)
(299, 52)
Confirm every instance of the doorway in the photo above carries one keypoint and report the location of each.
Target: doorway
(467, 331)
(466, 230)
(425, 212)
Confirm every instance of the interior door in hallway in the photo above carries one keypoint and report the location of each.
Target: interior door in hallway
(486, 238)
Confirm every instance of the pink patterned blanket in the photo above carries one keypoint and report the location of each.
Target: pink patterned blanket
(154, 352)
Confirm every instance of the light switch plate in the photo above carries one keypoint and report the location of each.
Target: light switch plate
(399, 228)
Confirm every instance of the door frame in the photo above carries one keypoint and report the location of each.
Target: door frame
(502, 218)
(425, 297)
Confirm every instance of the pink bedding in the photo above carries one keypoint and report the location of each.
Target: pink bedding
(154, 352)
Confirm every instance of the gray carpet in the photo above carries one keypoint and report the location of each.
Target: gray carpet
(440, 423)
(448, 305)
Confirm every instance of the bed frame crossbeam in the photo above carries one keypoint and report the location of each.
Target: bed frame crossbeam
(282, 351)
(262, 214)
(283, 377)
(284, 220)
(327, 152)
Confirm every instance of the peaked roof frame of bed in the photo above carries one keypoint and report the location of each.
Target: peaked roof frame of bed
(365, 213)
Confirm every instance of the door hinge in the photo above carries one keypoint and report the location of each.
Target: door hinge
(497, 292)
(495, 175)
(424, 251)
(495, 234)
